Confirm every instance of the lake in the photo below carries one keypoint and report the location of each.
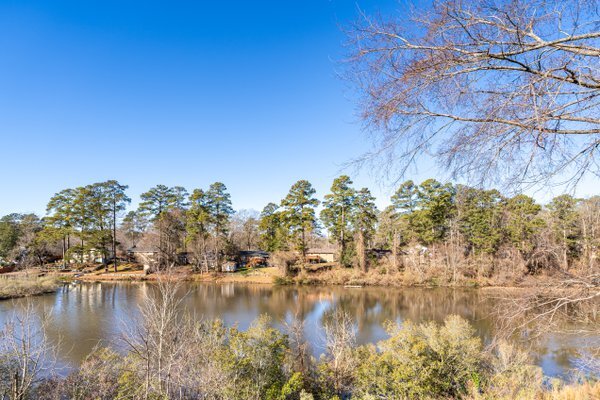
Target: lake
(90, 313)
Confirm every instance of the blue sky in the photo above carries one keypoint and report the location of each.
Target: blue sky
(178, 93)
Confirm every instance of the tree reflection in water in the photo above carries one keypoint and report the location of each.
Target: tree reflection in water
(85, 314)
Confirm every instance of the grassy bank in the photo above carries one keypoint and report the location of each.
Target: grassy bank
(376, 277)
(313, 274)
(20, 286)
(253, 275)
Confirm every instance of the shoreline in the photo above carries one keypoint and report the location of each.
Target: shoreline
(271, 280)
(269, 276)
(15, 287)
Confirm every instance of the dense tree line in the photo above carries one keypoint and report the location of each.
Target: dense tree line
(465, 230)
(461, 224)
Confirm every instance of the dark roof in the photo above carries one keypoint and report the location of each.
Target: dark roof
(380, 251)
(253, 253)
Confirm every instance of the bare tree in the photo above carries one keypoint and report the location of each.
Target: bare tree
(299, 346)
(27, 356)
(243, 232)
(340, 339)
(503, 91)
(569, 307)
(159, 338)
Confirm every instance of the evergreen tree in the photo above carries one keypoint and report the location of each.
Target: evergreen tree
(60, 221)
(9, 234)
(364, 220)
(563, 213)
(406, 198)
(17, 237)
(219, 201)
(198, 225)
(180, 200)
(523, 223)
(134, 225)
(99, 211)
(432, 211)
(156, 202)
(117, 199)
(299, 214)
(336, 215)
(481, 219)
(82, 217)
(270, 227)
(402, 215)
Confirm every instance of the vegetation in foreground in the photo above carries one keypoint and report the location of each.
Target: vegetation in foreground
(170, 356)
(23, 286)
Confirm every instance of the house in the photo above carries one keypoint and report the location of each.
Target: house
(145, 256)
(229, 266)
(379, 253)
(253, 258)
(317, 256)
(92, 255)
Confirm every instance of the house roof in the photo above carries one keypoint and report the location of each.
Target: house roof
(253, 253)
(320, 251)
(380, 251)
(136, 249)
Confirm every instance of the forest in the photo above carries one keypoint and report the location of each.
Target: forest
(450, 234)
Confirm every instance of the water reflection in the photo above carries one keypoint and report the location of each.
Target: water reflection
(87, 314)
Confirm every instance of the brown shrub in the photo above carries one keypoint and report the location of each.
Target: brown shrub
(284, 260)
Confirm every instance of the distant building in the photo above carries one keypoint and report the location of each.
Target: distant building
(317, 256)
(144, 256)
(253, 258)
(92, 255)
(379, 253)
(229, 266)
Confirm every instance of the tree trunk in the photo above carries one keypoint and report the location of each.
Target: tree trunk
(395, 250)
(361, 251)
(82, 251)
(64, 253)
(114, 235)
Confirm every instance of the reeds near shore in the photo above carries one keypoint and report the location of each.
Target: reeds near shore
(14, 287)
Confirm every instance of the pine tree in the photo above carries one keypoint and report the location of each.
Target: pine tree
(299, 214)
(82, 218)
(481, 219)
(117, 201)
(336, 215)
(402, 215)
(270, 227)
(155, 203)
(564, 223)
(364, 220)
(9, 234)
(219, 201)
(99, 208)
(198, 225)
(432, 211)
(523, 223)
(60, 222)
(134, 225)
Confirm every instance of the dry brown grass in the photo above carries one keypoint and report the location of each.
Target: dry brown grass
(14, 287)
(586, 391)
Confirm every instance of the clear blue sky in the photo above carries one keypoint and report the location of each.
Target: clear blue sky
(179, 93)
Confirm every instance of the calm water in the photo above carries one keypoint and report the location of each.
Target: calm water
(86, 314)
